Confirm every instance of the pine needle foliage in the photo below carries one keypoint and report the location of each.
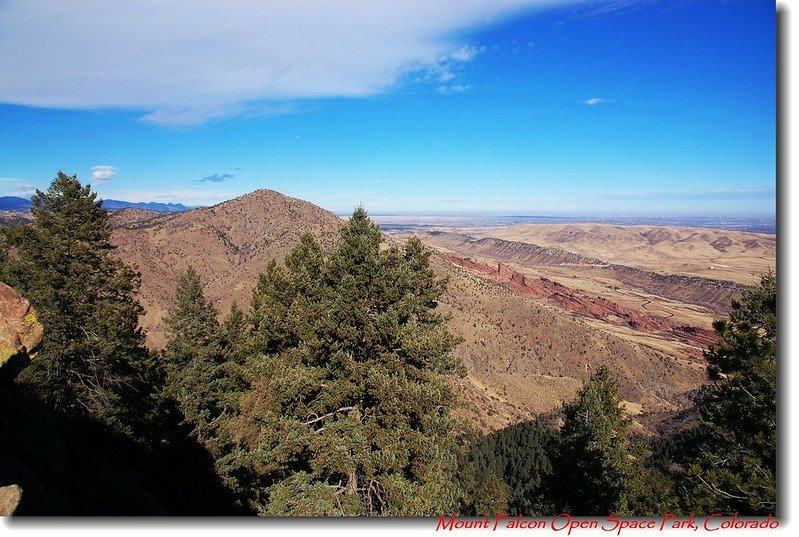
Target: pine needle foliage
(93, 362)
(348, 413)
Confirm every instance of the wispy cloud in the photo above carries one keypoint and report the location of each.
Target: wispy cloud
(466, 53)
(11, 186)
(454, 88)
(609, 7)
(182, 116)
(444, 69)
(101, 174)
(214, 178)
(182, 63)
(593, 101)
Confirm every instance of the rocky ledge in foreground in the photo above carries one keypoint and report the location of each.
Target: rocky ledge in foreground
(20, 333)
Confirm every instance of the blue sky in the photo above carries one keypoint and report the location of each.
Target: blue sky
(515, 106)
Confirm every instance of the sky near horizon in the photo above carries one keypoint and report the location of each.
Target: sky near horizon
(612, 107)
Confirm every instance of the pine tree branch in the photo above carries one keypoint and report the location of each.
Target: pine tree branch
(325, 416)
(715, 490)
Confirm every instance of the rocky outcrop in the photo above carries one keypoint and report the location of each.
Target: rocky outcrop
(699, 336)
(577, 303)
(710, 293)
(20, 337)
(20, 333)
(9, 499)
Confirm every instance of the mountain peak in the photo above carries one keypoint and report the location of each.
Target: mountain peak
(228, 244)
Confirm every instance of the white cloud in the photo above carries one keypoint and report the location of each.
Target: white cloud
(593, 101)
(466, 53)
(11, 186)
(101, 174)
(444, 69)
(184, 62)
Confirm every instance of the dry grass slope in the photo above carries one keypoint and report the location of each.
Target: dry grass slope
(712, 253)
(526, 358)
(228, 244)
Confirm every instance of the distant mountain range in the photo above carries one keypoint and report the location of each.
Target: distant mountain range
(15, 204)
(10, 203)
(148, 205)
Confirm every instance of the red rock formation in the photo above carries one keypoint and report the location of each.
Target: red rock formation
(569, 299)
(700, 337)
(467, 263)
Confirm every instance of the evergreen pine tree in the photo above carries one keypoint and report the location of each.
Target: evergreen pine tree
(736, 470)
(194, 358)
(595, 463)
(521, 456)
(348, 413)
(234, 326)
(93, 361)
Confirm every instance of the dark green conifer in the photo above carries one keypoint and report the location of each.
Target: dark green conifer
(194, 358)
(595, 463)
(234, 326)
(736, 470)
(93, 361)
(521, 456)
(348, 414)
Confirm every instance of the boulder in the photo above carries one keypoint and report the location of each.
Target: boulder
(9, 499)
(20, 332)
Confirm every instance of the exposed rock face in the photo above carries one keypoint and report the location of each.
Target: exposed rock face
(20, 332)
(9, 499)
(706, 292)
(574, 302)
(20, 337)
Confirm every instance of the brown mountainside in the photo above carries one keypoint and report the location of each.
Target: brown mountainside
(228, 244)
(532, 332)
(526, 358)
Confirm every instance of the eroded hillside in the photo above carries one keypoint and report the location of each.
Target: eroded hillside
(228, 244)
